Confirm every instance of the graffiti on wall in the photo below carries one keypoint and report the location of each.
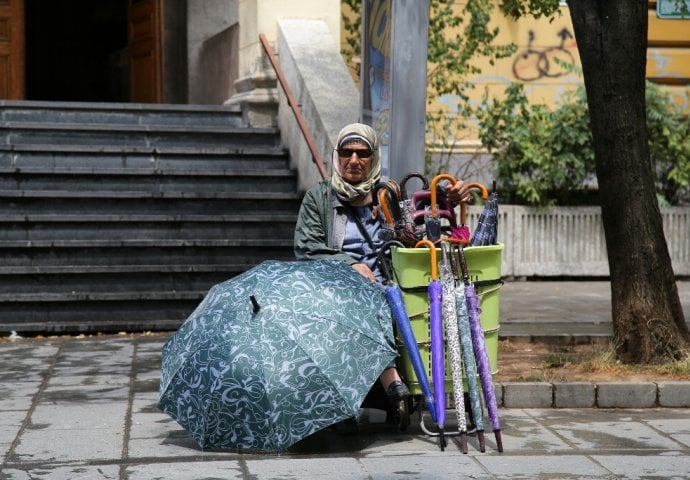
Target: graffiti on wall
(534, 63)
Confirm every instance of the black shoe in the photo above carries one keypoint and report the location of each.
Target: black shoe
(397, 391)
(346, 427)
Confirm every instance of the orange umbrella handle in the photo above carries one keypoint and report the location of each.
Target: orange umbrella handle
(432, 248)
(482, 188)
(432, 188)
(383, 201)
(463, 205)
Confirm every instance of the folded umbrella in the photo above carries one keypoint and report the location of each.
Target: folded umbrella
(464, 331)
(434, 214)
(401, 231)
(486, 232)
(453, 343)
(481, 354)
(402, 320)
(276, 354)
(438, 362)
(407, 205)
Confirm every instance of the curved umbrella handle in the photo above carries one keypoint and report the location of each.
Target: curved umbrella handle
(403, 191)
(382, 200)
(395, 204)
(432, 188)
(463, 205)
(432, 248)
(385, 271)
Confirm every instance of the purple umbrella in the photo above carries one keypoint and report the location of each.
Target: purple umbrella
(438, 363)
(453, 343)
(480, 353)
(402, 320)
(463, 322)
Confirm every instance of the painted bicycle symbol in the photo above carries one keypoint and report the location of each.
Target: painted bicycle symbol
(533, 64)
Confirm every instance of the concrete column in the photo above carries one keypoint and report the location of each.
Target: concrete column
(256, 87)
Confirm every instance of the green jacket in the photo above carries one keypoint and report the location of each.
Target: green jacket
(320, 226)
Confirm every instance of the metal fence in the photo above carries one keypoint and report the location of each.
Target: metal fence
(569, 241)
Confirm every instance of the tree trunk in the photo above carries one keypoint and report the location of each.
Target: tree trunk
(648, 321)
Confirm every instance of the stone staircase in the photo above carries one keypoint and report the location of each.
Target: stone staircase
(121, 216)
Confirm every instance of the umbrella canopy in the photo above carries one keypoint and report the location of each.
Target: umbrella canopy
(276, 354)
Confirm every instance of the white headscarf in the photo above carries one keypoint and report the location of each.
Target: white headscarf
(359, 194)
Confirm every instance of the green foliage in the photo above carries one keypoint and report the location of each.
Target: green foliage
(353, 29)
(545, 157)
(534, 8)
(669, 145)
(542, 156)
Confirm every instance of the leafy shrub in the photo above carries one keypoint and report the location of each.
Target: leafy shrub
(546, 157)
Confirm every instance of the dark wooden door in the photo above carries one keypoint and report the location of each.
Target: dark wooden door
(145, 50)
(12, 49)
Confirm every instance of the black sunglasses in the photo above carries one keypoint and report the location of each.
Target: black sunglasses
(347, 153)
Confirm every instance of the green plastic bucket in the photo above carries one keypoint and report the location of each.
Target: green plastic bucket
(412, 269)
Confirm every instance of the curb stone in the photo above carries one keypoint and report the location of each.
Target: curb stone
(665, 394)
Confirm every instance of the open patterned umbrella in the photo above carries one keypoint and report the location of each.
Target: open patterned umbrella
(276, 354)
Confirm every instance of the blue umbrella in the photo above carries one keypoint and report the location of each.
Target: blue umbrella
(402, 320)
(438, 361)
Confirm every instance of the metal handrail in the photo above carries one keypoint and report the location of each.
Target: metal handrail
(308, 137)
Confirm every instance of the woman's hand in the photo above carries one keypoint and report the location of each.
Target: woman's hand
(365, 271)
(458, 193)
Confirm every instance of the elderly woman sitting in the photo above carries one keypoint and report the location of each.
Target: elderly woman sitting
(338, 221)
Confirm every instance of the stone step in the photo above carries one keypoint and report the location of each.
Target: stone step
(148, 180)
(100, 158)
(123, 216)
(119, 113)
(139, 136)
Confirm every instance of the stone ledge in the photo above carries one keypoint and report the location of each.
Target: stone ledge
(668, 394)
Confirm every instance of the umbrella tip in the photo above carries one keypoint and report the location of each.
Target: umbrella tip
(255, 304)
